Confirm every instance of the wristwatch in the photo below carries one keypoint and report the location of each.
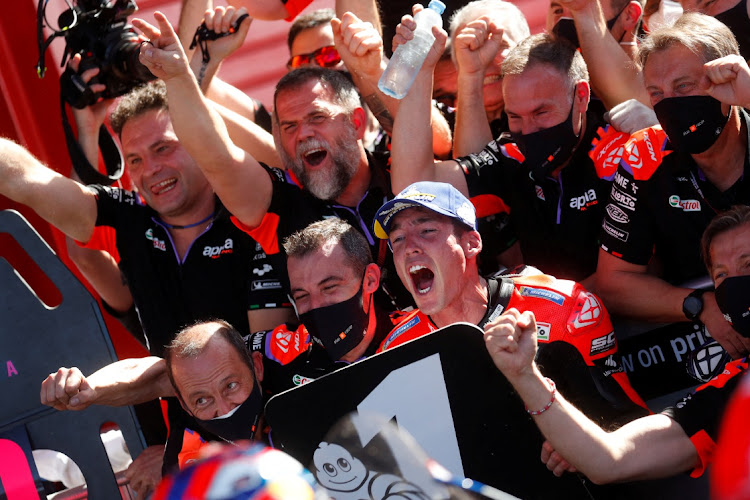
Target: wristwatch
(692, 306)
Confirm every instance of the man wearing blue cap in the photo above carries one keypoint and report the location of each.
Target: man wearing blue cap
(430, 226)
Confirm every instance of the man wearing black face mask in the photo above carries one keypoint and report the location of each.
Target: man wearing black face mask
(725, 247)
(332, 279)
(217, 381)
(674, 178)
(544, 170)
(207, 366)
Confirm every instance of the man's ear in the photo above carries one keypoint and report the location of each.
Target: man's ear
(633, 13)
(359, 120)
(258, 366)
(370, 284)
(471, 243)
(581, 99)
(583, 94)
(371, 281)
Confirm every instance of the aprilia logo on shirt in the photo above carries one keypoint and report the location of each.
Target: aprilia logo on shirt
(215, 252)
(159, 244)
(584, 201)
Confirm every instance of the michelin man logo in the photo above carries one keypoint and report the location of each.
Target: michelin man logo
(346, 477)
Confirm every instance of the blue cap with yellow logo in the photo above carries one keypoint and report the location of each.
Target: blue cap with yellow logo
(439, 197)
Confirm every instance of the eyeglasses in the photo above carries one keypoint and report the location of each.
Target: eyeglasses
(325, 57)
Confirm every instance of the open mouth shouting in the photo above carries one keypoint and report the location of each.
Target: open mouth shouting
(313, 152)
(315, 157)
(422, 278)
(164, 186)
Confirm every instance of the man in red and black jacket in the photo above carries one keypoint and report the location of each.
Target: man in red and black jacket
(333, 280)
(430, 228)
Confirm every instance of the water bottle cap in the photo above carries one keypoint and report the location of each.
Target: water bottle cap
(437, 6)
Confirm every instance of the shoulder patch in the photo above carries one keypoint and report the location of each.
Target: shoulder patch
(409, 324)
(412, 326)
(587, 312)
(606, 151)
(284, 345)
(644, 152)
(541, 293)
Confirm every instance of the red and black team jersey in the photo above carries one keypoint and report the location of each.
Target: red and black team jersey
(700, 412)
(217, 278)
(291, 358)
(661, 202)
(577, 344)
(293, 208)
(556, 220)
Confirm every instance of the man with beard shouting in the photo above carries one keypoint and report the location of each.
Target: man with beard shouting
(318, 129)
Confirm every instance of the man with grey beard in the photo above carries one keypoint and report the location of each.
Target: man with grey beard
(318, 129)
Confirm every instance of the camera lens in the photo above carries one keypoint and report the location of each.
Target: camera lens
(125, 62)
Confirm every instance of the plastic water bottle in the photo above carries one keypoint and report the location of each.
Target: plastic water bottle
(403, 67)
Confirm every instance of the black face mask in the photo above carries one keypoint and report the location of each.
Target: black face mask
(733, 299)
(692, 123)
(546, 150)
(239, 423)
(339, 328)
(565, 29)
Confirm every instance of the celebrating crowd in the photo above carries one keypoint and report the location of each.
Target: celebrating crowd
(526, 184)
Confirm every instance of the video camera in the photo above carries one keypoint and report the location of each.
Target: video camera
(98, 30)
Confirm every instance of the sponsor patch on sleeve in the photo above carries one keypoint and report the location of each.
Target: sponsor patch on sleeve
(541, 293)
(398, 331)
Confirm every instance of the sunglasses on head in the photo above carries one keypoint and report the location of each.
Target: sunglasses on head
(325, 57)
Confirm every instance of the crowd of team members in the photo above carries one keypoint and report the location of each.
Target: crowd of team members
(536, 176)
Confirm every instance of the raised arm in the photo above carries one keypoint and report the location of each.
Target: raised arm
(475, 47)
(267, 10)
(237, 178)
(614, 76)
(97, 266)
(361, 48)
(249, 136)
(220, 20)
(191, 16)
(125, 382)
(64, 203)
(366, 10)
(649, 447)
(411, 145)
